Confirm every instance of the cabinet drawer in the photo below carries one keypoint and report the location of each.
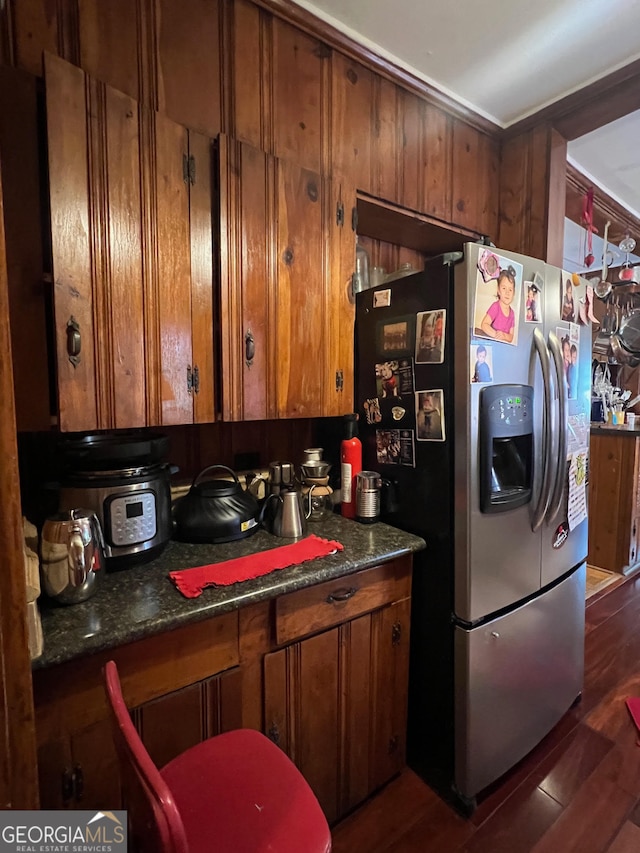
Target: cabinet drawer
(339, 600)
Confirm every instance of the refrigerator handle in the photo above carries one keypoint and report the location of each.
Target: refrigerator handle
(540, 350)
(561, 444)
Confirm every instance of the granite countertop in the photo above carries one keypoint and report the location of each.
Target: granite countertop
(134, 603)
(617, 429)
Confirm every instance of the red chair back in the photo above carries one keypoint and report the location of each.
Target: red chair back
(154, 820)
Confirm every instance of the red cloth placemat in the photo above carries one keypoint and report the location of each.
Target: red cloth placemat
(191, 582)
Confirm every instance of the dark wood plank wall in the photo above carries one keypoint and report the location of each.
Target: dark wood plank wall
(18, 779)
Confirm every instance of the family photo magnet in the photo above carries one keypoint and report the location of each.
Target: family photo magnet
(497, 302)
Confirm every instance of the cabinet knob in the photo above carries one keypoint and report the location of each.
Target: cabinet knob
(249, 348)
(274, 733)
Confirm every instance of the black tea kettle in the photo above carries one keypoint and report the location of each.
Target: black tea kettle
(215, 511)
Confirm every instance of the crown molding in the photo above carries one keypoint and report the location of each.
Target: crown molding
(604, 208)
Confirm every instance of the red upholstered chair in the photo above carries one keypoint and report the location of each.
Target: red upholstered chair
(233, 793)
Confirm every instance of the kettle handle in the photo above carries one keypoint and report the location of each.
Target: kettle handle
(309, 493)
(77, 562)
(266, 502)
(197, 478)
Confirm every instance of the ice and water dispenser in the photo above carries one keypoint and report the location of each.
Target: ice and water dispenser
(505, 440)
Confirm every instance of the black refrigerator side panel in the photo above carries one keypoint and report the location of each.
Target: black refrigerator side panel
(422, 479)
(416, 461)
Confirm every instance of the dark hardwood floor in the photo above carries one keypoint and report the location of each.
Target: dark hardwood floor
(577, 792)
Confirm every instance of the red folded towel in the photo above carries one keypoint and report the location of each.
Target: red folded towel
(191, 582)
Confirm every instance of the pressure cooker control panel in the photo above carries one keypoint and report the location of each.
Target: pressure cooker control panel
(132, 518)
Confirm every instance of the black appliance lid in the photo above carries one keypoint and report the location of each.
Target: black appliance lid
(109, 451)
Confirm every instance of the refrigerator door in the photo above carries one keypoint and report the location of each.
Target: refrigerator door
(515, 677)
(487, 578)
(565, 542)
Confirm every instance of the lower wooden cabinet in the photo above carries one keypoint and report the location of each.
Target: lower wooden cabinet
(182, 686)
(179, 720)
(79, 770)
(614, 501)
(323, 671)
(336, 701)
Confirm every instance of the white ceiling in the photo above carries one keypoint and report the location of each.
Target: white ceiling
(509, 60)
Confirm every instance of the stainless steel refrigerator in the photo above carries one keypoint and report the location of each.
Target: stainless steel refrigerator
(473, 390)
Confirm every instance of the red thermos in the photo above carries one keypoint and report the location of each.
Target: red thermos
(350, 464)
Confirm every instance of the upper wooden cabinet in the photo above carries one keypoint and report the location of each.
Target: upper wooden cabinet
(287, 254)
(131, 201)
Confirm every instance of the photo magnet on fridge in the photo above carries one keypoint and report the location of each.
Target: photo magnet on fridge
(395, 447)
(395, 338)
(430, 332)
(394, 378)
(570, 348)
(569, 296)
(533, 307)
(387, 379)
(382, 298)
(481, 363)
(430, 415)
(372, 410)
(497, 300)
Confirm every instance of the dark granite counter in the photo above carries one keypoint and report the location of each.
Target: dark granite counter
(142, 601)
(621, 429)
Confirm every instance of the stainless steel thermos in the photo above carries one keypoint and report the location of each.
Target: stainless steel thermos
(368, 489)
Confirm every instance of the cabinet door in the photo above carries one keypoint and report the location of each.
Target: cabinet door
(247, 280)
(340, 315)
(173, 723)
(94, 162)
(337, 702)
(283, 312)
(202, 277)
(302, 711)
(80, 771)
(390, 678)
(300, 312)
(71, 245)
(131, 221)
(174, 270)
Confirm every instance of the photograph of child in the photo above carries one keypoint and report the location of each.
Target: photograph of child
(568, 307)
(497, 305)
(430, 415)
(481, 363)
(430, 331)
(569, 342)
(532, 306)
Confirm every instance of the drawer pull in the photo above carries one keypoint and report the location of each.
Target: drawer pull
(341, 595)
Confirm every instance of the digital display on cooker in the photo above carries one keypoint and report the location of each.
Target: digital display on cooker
(134, 510)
